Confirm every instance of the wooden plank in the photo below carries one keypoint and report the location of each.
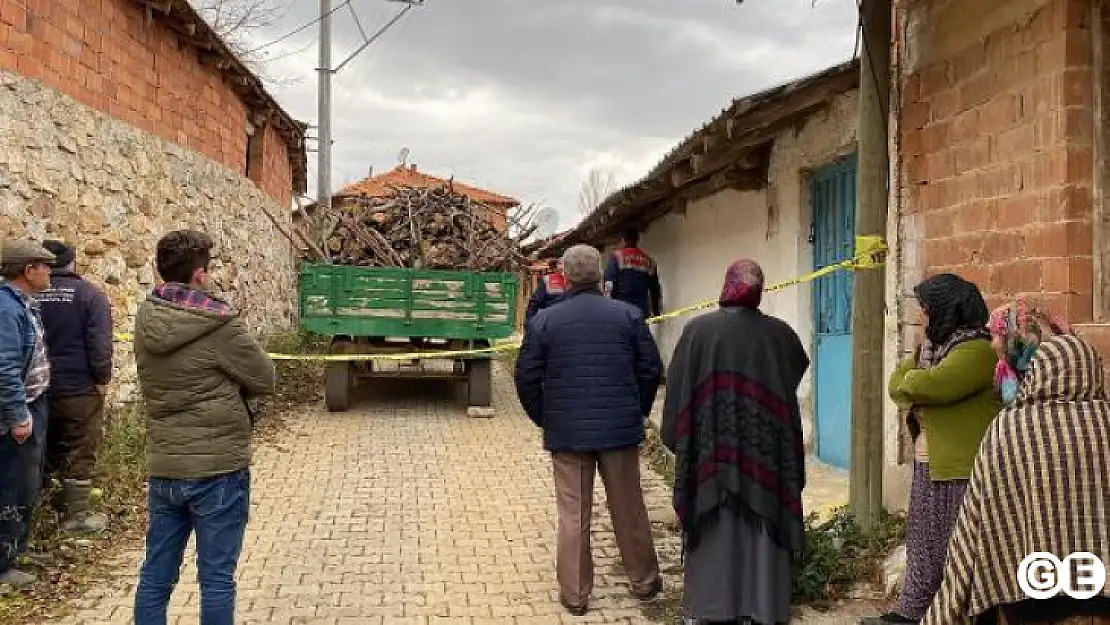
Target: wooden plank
(869, 287)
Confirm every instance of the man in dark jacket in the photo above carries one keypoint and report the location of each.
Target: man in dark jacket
(631, 276)
(549, 292)
(24, 378)
(197, 365)
(77, 318)
(587, 374)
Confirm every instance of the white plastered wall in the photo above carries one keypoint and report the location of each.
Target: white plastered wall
(771, 225)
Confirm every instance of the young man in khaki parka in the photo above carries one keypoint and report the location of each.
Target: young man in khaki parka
(197, 366)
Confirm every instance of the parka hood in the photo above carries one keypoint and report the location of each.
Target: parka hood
(167, 327)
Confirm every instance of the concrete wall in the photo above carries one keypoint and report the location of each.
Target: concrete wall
(994, 176)
(771, 225)
(70, 172)
(108, 56)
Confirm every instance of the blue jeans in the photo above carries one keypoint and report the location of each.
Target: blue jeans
(20, 484)
(216, 508)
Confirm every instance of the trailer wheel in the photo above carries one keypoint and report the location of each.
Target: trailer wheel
(337, 386)
(479, 380)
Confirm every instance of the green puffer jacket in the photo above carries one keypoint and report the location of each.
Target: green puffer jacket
(957, 401)
(195, 366)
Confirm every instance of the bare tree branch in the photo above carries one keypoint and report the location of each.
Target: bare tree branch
(597, 186)
(235, 21)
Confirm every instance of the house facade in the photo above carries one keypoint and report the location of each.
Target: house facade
(999, 164)
(121, 120)
(772, 177)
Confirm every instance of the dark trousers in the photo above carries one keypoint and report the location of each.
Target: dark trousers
(574, 490)
(216, 509)
(73, 441)
(20, 479)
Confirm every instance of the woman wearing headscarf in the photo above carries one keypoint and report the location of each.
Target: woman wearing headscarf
(946, 391)
(1041, 481)
(732, 420)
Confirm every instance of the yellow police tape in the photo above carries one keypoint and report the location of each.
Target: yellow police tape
(870, 254)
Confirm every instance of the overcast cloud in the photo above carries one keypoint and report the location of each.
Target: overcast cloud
(523, 97)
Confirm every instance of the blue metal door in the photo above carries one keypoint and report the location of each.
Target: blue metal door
(834, 218)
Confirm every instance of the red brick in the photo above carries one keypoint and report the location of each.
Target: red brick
(1079, 307)
(1002, 246)
(1077, 87)
(1016, 211)
(8, 60)
(977, 90)
(938, 224)
(965, 126)
(19, 42)
(1032, 275)
(14, 15)
(1079, 49)
(1067, 275)
(1005, 279)
(935, 79)
(1068, 202)
(30, 66)
(1047, 240)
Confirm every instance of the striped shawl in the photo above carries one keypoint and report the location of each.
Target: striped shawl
(1041, 482)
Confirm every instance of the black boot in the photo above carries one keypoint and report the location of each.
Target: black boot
(77, 519)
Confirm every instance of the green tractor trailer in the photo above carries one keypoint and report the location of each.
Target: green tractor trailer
(396, 311)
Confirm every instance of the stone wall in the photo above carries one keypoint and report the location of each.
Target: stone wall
(70, 172)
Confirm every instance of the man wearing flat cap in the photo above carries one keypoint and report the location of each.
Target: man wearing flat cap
(77, 318)
(24, 378)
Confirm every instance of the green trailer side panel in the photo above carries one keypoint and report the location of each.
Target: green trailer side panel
(389, 301)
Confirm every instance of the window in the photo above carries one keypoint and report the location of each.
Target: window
(252, 168)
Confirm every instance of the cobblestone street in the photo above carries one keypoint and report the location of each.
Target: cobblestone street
(405, 510)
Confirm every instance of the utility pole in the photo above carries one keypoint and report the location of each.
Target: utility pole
(323, 168)
(868, 296)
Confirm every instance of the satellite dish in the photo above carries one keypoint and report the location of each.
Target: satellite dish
(547, 220)
(403, 156)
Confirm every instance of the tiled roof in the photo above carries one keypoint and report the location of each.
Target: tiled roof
(409, 176)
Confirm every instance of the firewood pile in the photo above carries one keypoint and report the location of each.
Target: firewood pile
(420, 228)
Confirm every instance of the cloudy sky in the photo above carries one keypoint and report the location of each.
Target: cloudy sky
(524, 97)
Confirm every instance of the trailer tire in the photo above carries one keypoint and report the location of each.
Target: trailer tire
(479, 382)
(337, 386)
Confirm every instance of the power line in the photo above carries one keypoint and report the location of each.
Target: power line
(381, 31)
(298, 29)
(358, 23)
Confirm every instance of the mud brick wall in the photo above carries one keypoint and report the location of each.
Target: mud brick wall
(108, 56)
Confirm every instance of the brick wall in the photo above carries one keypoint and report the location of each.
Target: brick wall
(106, 55)
(998, 143)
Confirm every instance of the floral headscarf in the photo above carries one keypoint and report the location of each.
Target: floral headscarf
(743, 285)
(1021, 326)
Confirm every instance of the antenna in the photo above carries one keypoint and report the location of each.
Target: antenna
(403, 156)
(547, 220)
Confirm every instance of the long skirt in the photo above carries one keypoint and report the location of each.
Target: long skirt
(930, 520)
(737, 572)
